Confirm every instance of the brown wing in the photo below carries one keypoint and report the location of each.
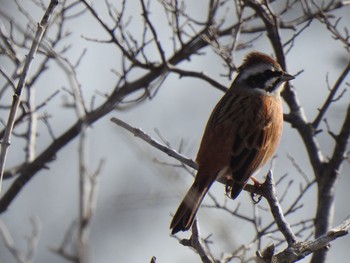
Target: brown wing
(216, 146)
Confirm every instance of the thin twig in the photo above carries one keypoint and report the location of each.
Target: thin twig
(145, 14)
(330, 97)
(32, 241)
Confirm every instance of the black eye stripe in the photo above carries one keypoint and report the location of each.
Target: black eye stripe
(267, 74)
(259, 80)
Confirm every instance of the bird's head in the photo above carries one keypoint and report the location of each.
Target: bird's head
(261, 73)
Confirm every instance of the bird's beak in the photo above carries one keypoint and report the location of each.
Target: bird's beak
(286, 77)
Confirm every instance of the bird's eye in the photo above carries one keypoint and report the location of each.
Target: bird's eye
(267, 72)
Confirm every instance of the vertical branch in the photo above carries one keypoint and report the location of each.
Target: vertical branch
(84, 189)
(41, 28)
(32, 126)
(87, 181)
(83, 152)
(87, 196)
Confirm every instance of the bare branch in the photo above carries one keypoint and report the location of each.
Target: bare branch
(8, 78)
(331, 96)
(139, 133)
(22, 80)
(342, 139)
(269, 192)
(32, 241)
(31, 132)
(66, 242)
(145, 14)
(198, 244)
(302, 249)
(199, 75)
(9, 243)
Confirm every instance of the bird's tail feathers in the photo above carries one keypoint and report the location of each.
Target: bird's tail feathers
(186, 213)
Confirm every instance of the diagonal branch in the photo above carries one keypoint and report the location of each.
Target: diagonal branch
(21, 83)
(139, 133)
(199, 75)
(269, 192)
(302, 249)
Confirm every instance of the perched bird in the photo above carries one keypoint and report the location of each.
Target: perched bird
(241, 135)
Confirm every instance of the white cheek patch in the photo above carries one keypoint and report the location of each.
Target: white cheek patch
(270, 82)
(274, 85)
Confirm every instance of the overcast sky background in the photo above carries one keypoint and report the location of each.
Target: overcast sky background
(137, 195)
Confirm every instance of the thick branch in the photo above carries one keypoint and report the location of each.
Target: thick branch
(303, 249)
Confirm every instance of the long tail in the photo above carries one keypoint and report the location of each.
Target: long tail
(188, 208)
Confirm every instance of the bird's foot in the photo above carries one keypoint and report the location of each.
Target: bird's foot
(257, 185)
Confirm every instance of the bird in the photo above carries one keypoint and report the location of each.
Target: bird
(241, 135)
